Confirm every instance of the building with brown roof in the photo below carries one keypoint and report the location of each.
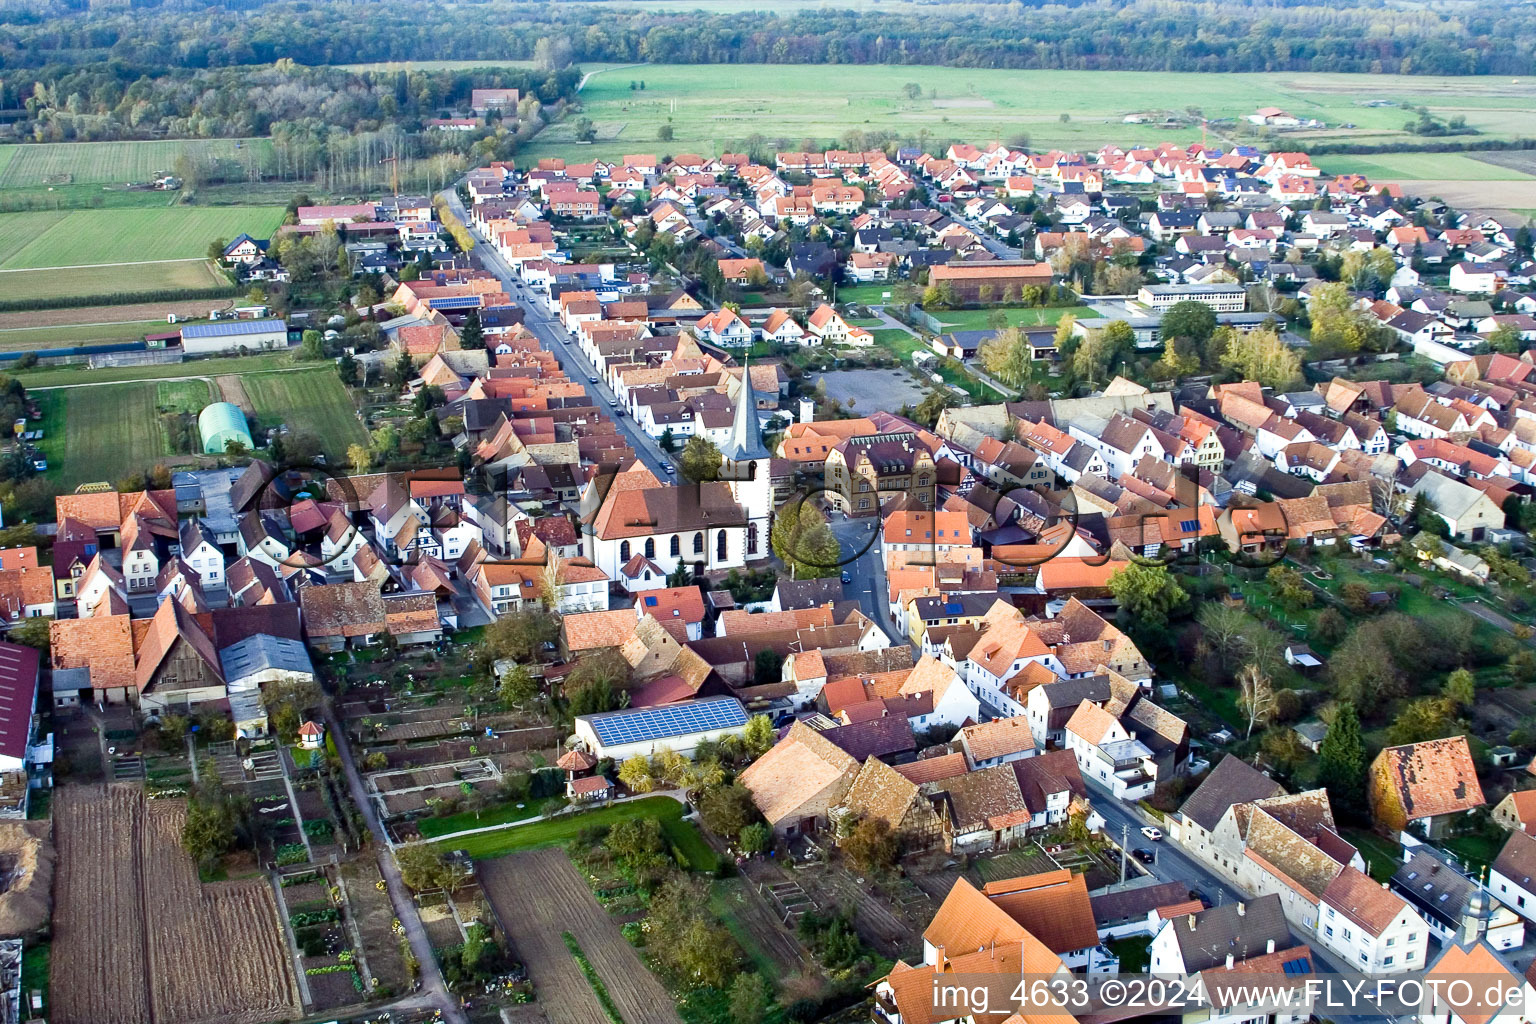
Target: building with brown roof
(880, 792)
(799, 781)
(103, 645)
(983, 810)
(177, 666)
(1054, 907)
(1370, 927)
(1423, 785)
(867, 470)
(338, 615)
(990, 281)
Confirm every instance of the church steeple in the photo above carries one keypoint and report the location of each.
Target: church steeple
(746, 443)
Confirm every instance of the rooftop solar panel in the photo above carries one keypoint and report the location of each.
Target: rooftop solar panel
(644, 724)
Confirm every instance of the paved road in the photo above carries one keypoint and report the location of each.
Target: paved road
(983, 231)
(860, 539)
(433, 991)
(555, 339)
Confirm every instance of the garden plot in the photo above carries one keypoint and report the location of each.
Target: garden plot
(377, 927)
(319, 916)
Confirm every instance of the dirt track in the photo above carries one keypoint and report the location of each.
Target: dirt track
(132, 312)
(540, 895)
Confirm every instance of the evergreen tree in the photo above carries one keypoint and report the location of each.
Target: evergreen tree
(1341, 764)
(471, 334)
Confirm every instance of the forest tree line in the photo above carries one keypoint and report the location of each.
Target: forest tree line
(299, 106)
(1472, 37)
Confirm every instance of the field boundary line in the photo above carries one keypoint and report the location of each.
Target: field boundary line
(155, 380)
(92, 266)
(55, 327)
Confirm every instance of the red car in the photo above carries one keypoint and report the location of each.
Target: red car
(945, 197)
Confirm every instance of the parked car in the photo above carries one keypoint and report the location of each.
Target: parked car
(847, 578)
(1154, 834)
(1144, 855)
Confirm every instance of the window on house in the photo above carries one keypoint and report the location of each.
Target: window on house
(624, 551)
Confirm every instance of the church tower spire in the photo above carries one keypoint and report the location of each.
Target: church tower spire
(746, 466)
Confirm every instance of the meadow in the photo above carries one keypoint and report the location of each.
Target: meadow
(718, 106)
(310, 402)
(117, 162)
(88, 237)
(39, 339)
(101, 433)
(121, 279)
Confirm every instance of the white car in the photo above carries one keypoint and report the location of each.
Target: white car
(1151, 833)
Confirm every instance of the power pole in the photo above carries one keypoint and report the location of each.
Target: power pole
(1125, 838)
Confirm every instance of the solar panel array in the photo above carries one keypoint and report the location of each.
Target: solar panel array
(454, 302)
(644, 724)
(223, 328)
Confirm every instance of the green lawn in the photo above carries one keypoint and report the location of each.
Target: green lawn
(129, 279)
(690, 842)
(308, 401)
(35, 962)
(1382, 855)
(114, 162)
(977, 319)
(54, 376)
(110, 431)
(713, 108)
(127, 236)
(563, 829)
(26, 339)
(1477, 851)
(866, 294)
(501, 815)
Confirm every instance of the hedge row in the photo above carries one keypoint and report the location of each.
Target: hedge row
(222, 291)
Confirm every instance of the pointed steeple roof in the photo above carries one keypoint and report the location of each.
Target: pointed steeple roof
(746, 441)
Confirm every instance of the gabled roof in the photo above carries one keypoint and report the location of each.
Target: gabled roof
(1232, 781)
(802, 766)
(1431, 778)
(1241, 930)
(1052, 905)
(173, 622)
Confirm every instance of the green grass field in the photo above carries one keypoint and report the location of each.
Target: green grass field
(55, 376)
(312, 402)
(1419, 167)
(110, 431)
(127, 278)
(976, 319)
(86, 237)
(563, 829)
(39, 338)
(718, 106)
(119, 162)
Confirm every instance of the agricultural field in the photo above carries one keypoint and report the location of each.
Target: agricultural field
(174, 951)
(718, 106)
(1420, 167)
(120, 162)
(308, 402)
(100, 433)
(78, 373)
(122, 279)
(545, 896)
(91, 237)
(41, 338)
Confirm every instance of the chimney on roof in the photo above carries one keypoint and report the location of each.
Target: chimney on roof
(1269, 947)
(1242, 910)
(1191, 922)
(1229, 961)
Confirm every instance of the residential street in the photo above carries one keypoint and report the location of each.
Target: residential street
(553, 336)
(860, 539)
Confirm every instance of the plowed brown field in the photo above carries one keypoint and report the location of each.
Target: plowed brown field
(538, 896)
(140, 939)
